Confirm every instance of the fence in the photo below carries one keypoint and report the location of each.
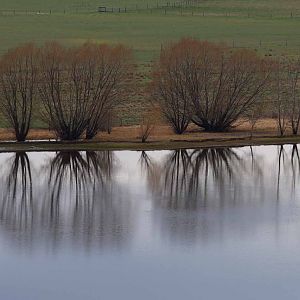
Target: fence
(184, 8)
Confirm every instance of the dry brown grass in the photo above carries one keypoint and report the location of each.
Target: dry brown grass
(265, 127)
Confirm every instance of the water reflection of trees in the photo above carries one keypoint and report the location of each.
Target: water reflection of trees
(189, 178)
(226, 191)
(17, 197)
(288, 166)
(73, 197)
(81, 176)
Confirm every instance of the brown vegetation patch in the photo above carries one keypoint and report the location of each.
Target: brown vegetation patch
(160, 133)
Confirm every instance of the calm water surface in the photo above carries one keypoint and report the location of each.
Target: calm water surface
(197, 224)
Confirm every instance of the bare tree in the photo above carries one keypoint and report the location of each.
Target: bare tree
(18, 88)
(170, 86)
(111, 76)
(150, 118)
(65, 87)
(226, 86)
(281, 89)
(80, 87)
(146, 128)
(208, 84)
(293, 82)
(253, 115)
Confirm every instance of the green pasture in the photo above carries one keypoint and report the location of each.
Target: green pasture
(145, 32)
(213, 5)
(271, 26)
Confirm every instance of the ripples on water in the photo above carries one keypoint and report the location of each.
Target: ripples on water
(214, 207)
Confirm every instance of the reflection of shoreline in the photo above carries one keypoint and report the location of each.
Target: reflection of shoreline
(74, 199)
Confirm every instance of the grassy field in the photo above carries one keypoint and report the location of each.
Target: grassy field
(263, 25)
(83, 5)
(270, 26)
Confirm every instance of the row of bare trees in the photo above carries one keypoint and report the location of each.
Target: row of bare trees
(213, 86)
(75, 89)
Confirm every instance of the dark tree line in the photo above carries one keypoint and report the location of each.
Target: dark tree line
(76, 90)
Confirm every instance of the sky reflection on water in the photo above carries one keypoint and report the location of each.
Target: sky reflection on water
(215, 223)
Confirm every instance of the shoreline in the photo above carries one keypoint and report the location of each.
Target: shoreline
(172, 144)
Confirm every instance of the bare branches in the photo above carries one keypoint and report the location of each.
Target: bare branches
(286, 91)
(65, 88)
(149, 120)
(146, 128)
(80, 87)
(110, 77)
(170, 85)
(193, 81)
(208, 84)
(18, 88)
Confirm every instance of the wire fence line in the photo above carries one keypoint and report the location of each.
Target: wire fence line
(186, 8)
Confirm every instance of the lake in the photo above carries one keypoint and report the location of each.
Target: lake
(186, 224)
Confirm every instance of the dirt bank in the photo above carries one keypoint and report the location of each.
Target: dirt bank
(162, 137)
